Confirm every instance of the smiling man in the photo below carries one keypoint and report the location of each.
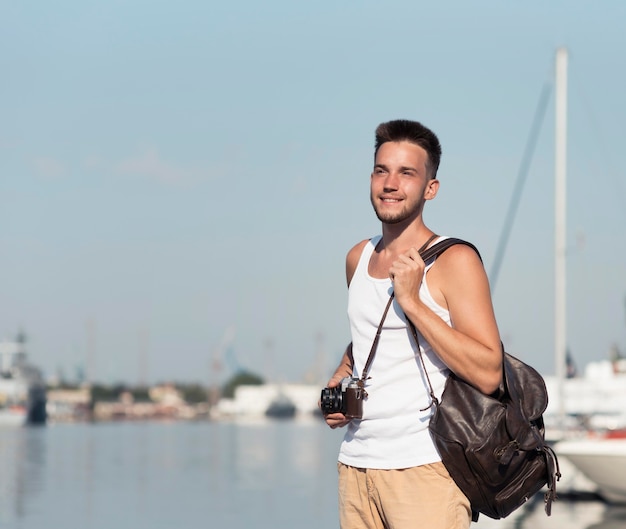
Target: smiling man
(390, 473)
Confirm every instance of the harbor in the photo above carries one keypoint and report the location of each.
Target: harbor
(261, 439)
(590, 443)
(585, 421)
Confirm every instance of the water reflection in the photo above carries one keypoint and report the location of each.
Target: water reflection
(282, 468)
(23, 459)
(266, 452)
(261, 474)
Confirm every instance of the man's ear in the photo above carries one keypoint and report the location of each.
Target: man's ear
(431, 189)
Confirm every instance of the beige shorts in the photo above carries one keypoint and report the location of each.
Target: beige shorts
(411, 498)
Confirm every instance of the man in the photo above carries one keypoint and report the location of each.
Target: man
(390, 473)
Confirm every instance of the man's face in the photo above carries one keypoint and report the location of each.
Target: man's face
(400, 183)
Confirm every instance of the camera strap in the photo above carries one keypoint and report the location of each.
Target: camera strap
(370, 358)
(364, 376)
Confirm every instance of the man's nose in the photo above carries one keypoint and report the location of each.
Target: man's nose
(391, 181)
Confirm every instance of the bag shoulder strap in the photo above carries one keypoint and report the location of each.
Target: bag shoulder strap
(435, 251)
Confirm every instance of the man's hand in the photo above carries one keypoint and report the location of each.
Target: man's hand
(406, 273)
(334, 420)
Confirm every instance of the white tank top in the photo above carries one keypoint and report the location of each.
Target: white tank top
(393, 433)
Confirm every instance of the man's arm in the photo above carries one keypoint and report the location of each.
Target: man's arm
(471, 348)
(344, 369)
(335, 420)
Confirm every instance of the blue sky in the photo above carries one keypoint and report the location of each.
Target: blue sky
(174, 174)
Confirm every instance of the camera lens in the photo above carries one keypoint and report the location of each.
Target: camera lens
(331, 400)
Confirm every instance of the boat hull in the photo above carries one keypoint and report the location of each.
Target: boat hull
(603, 461)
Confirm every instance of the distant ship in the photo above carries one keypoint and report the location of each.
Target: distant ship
(22, 388)
(282, 407)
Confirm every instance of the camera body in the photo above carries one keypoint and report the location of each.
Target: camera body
(346, 398)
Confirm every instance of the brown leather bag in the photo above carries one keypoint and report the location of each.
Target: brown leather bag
(493, 446)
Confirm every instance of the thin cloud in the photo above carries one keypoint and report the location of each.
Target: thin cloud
(150, 165)
(8, 143)
(93, 162)
(50, 167)
(300, 185)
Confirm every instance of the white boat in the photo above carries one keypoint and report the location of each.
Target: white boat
(282, 407)
(599, 397)
(597, 401)
(22, 389)
(594, 401)
(602, 460)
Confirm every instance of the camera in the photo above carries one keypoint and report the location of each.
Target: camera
(346, 398)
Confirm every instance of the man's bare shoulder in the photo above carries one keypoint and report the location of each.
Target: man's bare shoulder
(357, 250)
(459, 270)
(352, 259)
(459, 256)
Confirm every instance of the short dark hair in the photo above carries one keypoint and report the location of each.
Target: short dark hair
(413, 132)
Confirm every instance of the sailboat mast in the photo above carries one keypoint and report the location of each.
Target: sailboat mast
(560, 329)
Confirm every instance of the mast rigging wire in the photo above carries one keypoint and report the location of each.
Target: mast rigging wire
(522, 174)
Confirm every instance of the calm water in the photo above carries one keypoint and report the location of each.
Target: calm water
(252, 475)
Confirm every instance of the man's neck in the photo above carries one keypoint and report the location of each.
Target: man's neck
(398, 239)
